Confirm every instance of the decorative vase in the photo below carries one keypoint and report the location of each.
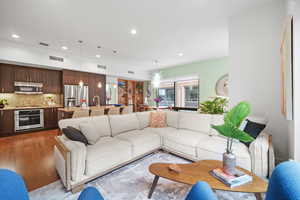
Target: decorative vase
(2, 105)
(229, 163)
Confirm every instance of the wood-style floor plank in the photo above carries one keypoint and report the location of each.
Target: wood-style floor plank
(30, 155)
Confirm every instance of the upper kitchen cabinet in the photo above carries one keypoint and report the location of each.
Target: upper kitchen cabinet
(71, 77)
(27, 74)
(52, 82)
(97, 87)
(6, 78)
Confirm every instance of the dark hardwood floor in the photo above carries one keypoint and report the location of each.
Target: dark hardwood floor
(30, 155)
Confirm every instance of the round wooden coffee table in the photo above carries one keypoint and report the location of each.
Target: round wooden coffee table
(199, 171)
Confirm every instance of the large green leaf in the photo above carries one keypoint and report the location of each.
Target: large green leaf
(237, 114)
(228, 130)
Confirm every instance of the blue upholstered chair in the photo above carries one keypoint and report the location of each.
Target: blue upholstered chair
(283, 185)
(12, 187)
(201, 191)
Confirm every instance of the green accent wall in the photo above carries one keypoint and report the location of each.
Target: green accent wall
(209, 72)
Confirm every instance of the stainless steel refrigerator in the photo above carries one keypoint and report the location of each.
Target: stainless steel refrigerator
(74, 94)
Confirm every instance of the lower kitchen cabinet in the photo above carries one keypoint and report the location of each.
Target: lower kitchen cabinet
(50, 118)
(7, 124)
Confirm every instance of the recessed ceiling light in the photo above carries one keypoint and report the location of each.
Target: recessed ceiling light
(64, 48)
(15, 36)
(98, 56)
(133, 31)
(180, 54)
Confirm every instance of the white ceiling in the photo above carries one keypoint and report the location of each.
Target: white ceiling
(197, 28)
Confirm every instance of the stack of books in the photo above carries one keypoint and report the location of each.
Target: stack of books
(237, 179)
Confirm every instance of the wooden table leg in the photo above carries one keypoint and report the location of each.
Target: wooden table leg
(153, 186)
(258, 196)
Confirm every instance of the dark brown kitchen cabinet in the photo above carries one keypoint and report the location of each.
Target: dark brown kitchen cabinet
(6, 78)
(50, 118)
(7, 123)
(97, 85)
(52, 83)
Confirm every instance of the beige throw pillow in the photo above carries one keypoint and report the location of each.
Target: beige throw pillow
(158, 119)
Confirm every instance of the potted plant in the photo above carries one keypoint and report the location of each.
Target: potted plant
(230, 129)
(3, 102)
(158, 100)
(217, 105)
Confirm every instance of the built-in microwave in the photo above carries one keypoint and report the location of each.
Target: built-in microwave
(28, 88)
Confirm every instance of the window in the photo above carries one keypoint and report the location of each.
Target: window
(179, 93)
(187, 93)
(167, 92)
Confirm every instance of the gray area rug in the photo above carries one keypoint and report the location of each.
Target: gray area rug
(133, 182)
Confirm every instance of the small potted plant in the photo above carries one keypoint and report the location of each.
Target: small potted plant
(230, 129)
(158, 100)
(216, 106)
(3, 103)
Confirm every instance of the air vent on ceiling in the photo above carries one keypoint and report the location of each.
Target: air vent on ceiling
(44, 44)
(130, 72)
(102, 67)
(55, 58)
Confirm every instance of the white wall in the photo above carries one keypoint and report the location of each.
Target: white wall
(14, 52)
(254, 46)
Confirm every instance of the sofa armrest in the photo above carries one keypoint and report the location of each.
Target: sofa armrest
(70, 159)
(262, 155)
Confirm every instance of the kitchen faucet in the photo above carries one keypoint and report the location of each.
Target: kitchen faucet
(98, 100)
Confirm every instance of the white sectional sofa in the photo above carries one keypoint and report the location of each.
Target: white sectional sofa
(117, 140)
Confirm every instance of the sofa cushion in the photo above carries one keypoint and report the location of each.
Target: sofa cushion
(195, 121)
(216, 120)
(215, 146)
(95, 128)
(172, 118)
(183, 141)
(123, 123)
(142, 141)
(144, 119)
(107, 153)
(161, 131)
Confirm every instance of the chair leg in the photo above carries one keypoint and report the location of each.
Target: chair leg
(258, 196)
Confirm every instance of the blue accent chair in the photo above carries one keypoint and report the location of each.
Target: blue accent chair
(12, 187)
(284, 184)
(201, 191)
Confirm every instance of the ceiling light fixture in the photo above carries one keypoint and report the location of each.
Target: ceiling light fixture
(99, 85)
(15, 36)
(180, 54)
(64, 48)
(98, 56)
(133, 31)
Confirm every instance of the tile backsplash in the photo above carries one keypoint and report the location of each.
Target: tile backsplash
(30, 100)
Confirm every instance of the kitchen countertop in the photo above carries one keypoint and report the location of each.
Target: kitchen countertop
(29, 107)
(72, 109)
